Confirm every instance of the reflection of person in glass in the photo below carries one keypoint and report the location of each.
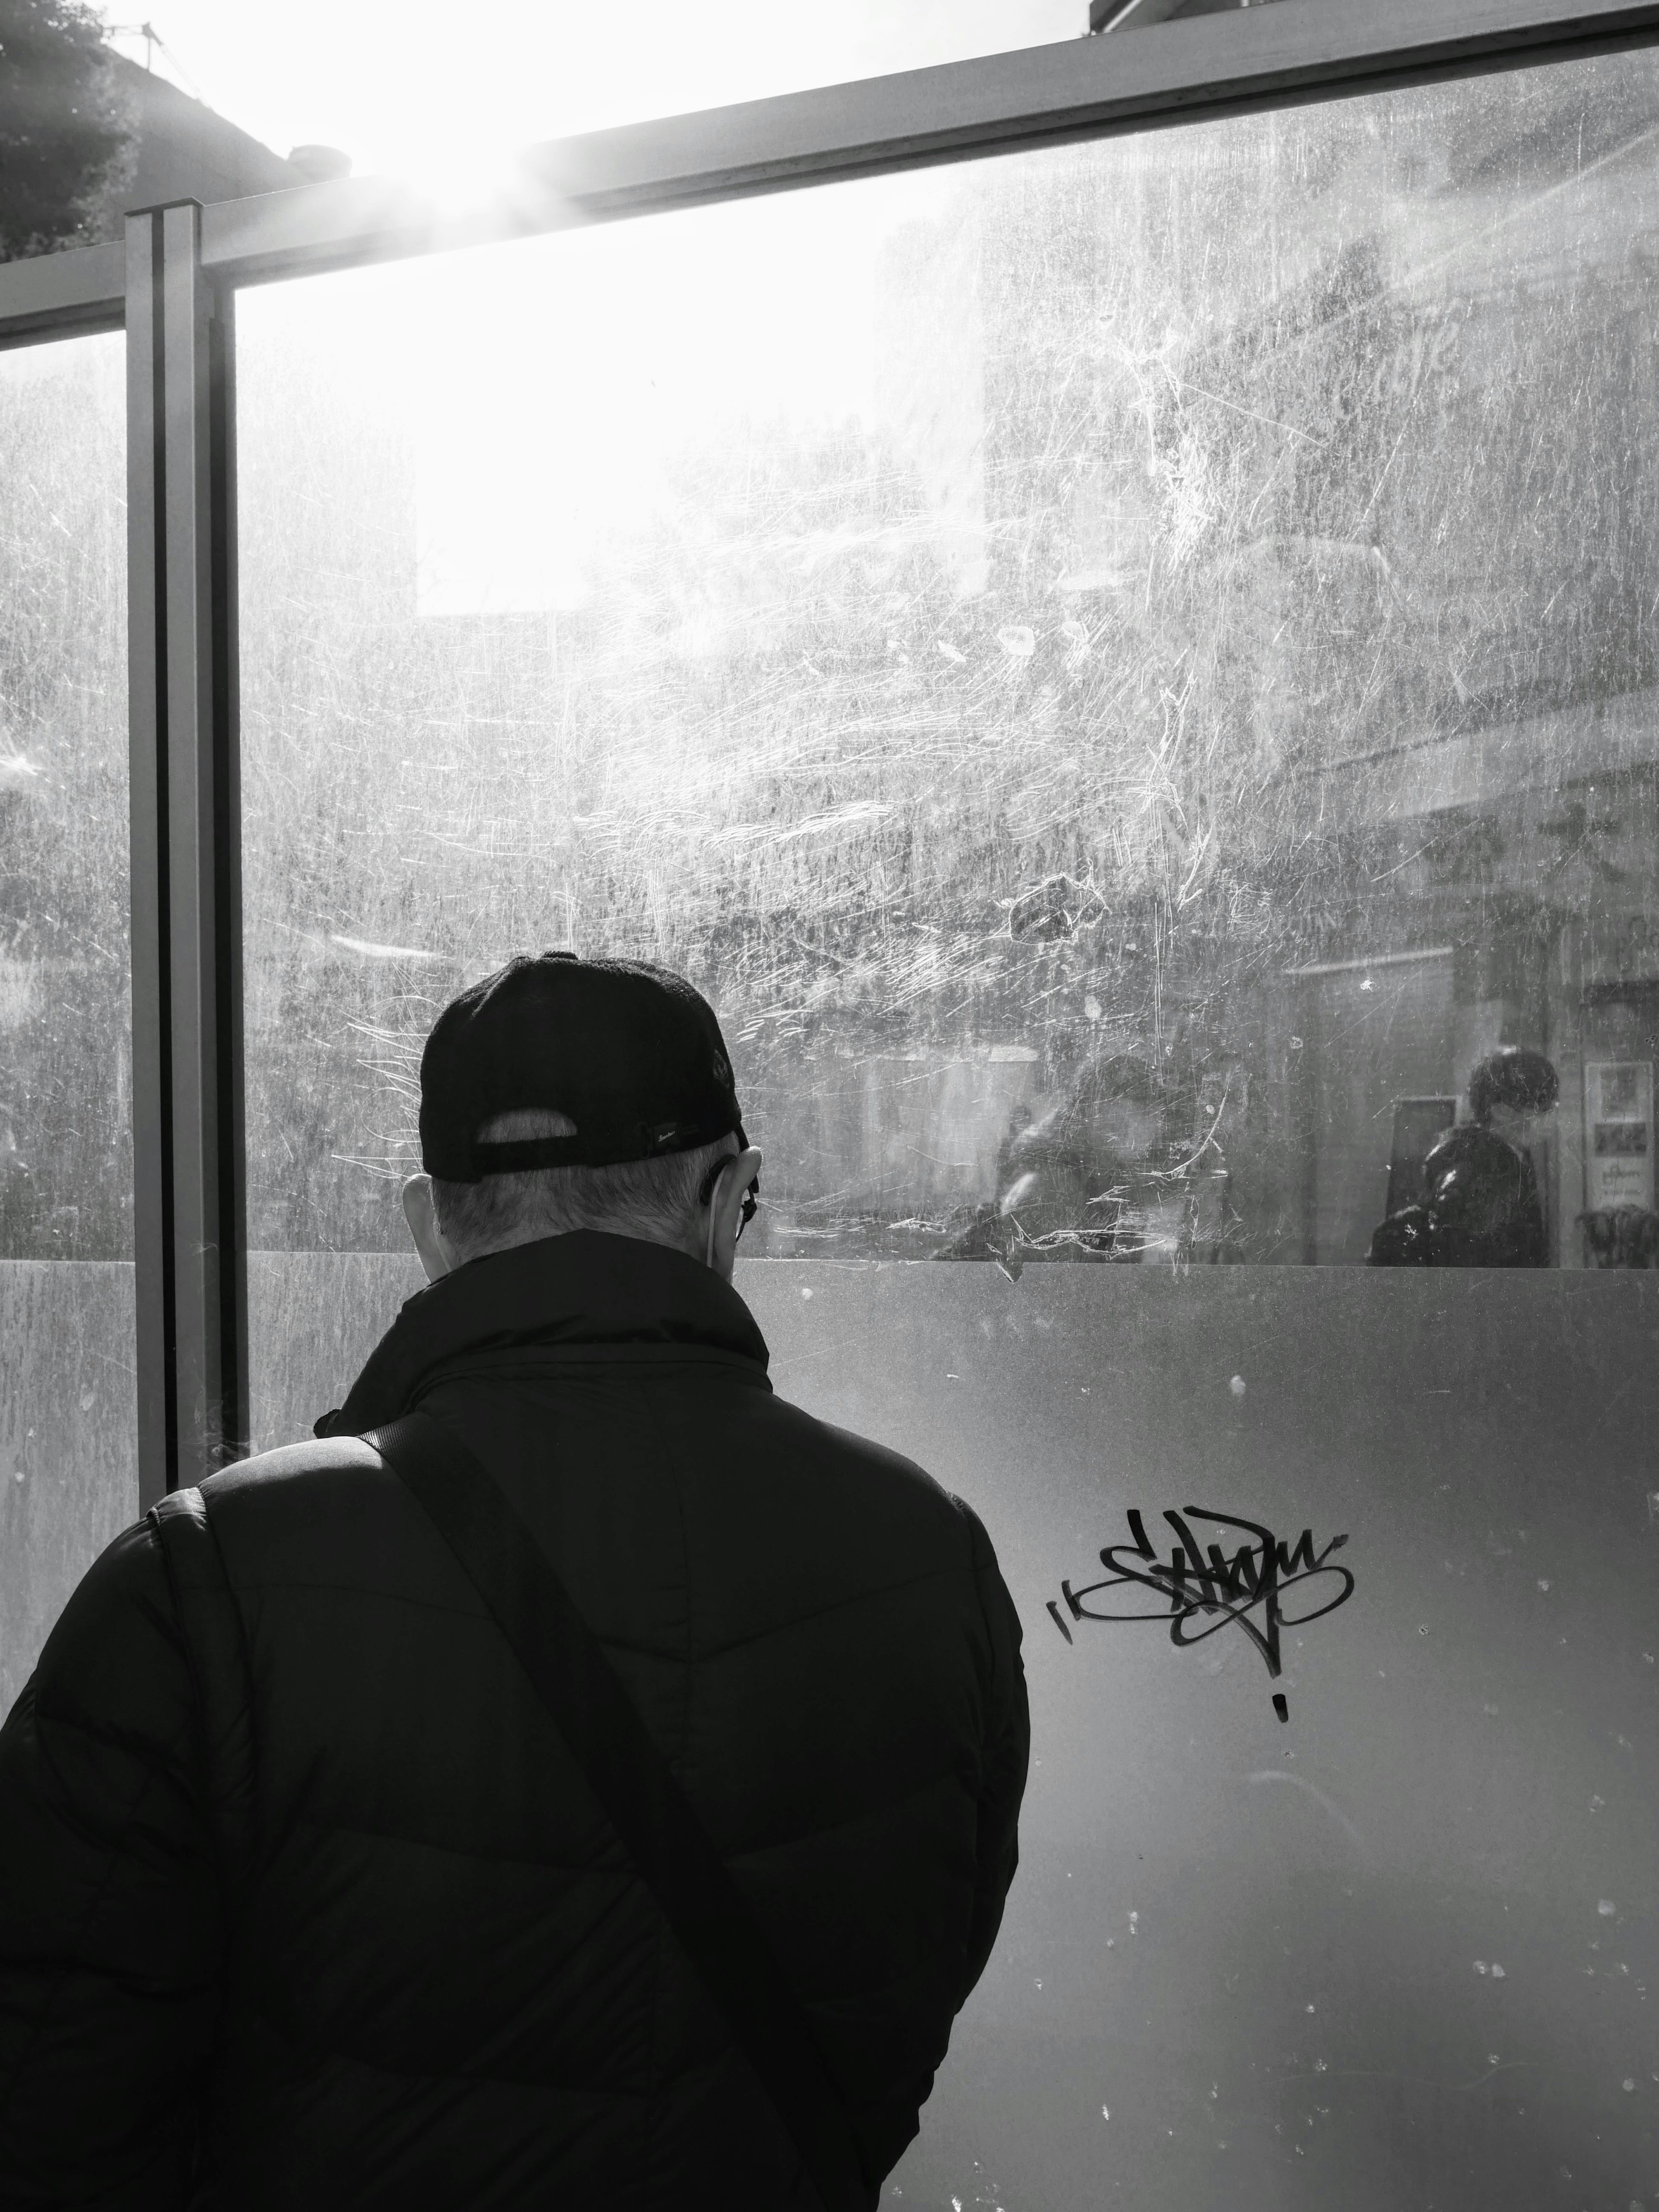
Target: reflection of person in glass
(1066, 1185)
(1482, 1207)
(1070, 1177)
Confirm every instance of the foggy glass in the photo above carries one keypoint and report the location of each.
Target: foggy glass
(68, 1475)
(1125, 671)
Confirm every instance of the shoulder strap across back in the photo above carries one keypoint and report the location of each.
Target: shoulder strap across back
(636, 1788)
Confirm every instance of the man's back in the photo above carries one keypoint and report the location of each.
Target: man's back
(451, 1987)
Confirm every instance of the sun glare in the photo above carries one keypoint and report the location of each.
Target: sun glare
(423, 94)
(548, 387)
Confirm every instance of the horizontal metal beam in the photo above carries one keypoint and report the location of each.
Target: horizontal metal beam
(55, 294)
(1242, 60)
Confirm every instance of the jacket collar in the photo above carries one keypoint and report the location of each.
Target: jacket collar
(581, 1289)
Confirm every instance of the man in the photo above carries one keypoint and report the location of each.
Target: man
(304, 1901)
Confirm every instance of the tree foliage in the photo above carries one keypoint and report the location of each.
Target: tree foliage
(66, 133)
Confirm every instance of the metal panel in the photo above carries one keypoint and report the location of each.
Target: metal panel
(186, 953)
(1392, 1951)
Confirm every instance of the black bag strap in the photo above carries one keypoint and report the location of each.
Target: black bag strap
(635, 1787)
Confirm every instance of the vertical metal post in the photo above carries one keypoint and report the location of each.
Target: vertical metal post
(186, 952)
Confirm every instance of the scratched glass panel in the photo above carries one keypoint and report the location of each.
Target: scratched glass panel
(67, 1468)
(1126, 673)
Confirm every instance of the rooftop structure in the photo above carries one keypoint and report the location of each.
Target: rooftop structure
(185, 151)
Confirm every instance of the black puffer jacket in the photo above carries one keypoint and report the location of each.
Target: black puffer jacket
(410, 1967)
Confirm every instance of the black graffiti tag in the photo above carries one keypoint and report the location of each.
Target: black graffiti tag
(1226, 1592)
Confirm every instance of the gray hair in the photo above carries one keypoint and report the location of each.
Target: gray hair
(657, 1199)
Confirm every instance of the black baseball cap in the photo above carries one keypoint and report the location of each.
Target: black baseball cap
(626, 1050)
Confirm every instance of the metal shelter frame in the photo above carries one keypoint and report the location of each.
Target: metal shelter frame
(172, 286)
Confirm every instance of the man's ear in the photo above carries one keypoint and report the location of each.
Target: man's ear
(421, 1217)
(726, 1210)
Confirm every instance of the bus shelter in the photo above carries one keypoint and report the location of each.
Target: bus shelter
(1104, 604)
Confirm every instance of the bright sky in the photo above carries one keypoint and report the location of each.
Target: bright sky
(609, 352)
(511, 498)
(416, 87)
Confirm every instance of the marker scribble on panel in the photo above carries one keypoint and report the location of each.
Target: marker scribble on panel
(1226, 1591)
